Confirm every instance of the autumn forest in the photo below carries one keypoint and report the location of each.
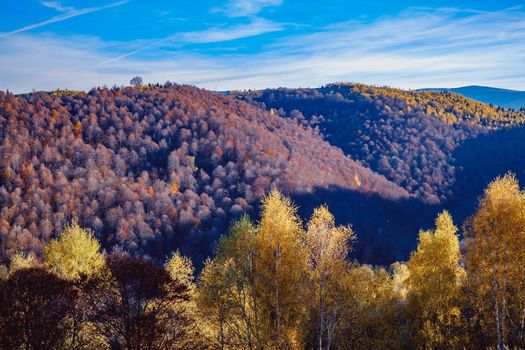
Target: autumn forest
(342, 217)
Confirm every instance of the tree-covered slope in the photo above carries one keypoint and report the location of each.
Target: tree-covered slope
(408, 136)
(155, 168)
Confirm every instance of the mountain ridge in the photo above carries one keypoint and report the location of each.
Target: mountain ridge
(506, 98)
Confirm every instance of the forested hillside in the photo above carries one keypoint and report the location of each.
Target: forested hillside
(407, 136)
(155, 168)
(151, 169)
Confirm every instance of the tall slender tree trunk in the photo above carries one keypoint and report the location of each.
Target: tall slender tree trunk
(246, 318)
(256, 324)
(277, 301)
(501, 345)
(321, 310)
(504, 313)
(330, 328)
(221, 331)
(522, 326)
(254, 296)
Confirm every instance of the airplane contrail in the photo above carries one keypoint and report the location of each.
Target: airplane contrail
(63, 17)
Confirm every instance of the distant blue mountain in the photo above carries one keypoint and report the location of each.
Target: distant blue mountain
(499, 97)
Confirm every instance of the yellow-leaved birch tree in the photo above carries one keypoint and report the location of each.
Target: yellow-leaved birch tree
(434, 283)
(281, 262)
(495, 242)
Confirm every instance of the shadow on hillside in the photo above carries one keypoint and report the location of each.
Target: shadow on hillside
(386, 230)
(479, 161)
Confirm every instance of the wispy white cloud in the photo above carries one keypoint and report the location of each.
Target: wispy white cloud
(69, 12)
(256, 27)
(57, 5)
(424, 31)
(417, 48)
(220, 34)
(244, 8)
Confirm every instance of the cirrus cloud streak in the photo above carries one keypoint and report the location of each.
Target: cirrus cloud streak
(417, 48)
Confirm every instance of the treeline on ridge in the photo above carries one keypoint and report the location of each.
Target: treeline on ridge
(280, 284)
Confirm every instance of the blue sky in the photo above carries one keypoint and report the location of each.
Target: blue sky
(243, 44)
